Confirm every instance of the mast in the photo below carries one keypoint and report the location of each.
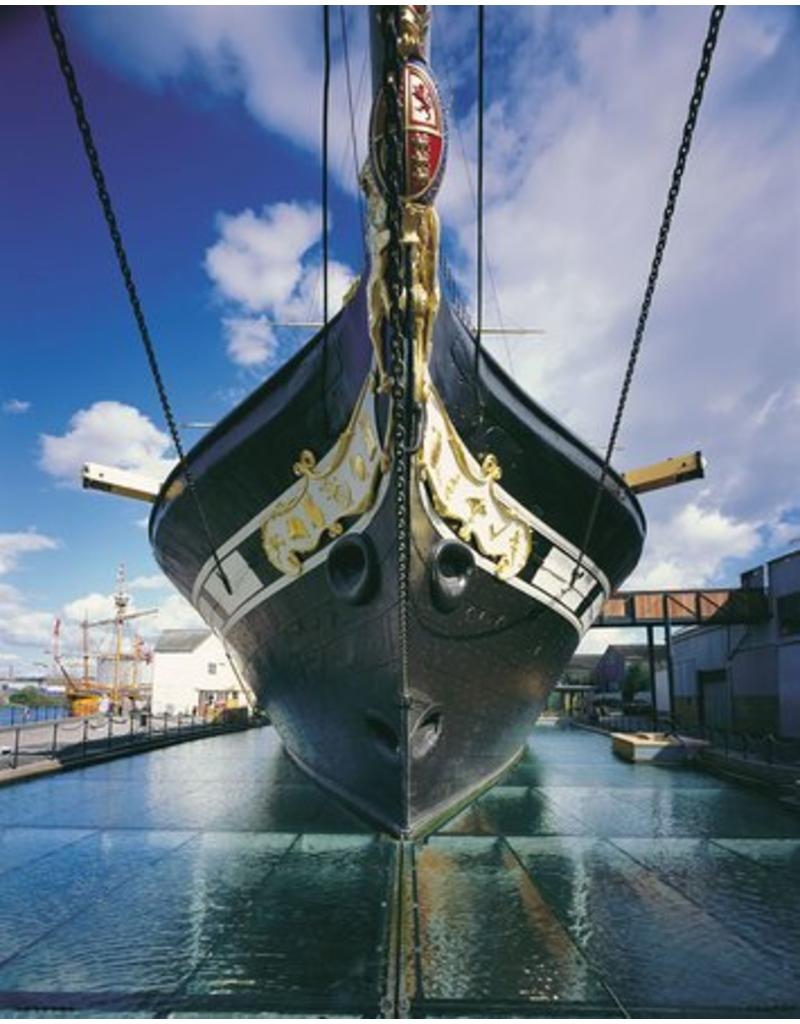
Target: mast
(121, 603)
(85, 649)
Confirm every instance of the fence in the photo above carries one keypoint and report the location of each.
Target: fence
(78, 738)
(22, 714)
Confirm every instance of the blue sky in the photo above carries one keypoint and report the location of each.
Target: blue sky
(208, 124)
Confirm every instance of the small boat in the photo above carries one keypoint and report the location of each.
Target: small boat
(656, 747)
(400, 568)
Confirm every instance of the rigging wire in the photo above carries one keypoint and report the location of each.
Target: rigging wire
(326, 96)
(313, 298)
(326, 90)
(479, 224)
(471, 186)
(666, 221)
(92, 155)
(356, 160)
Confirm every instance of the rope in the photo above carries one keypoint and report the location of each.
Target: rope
(70, 79)
(666, 222)
(479, 287)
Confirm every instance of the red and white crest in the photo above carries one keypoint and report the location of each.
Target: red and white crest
(423, 131)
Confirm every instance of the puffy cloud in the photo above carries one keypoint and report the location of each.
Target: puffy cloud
(176, 613)
(19, 623)
(585, 109)
(154, 581)
(262, 264)
(14, 406)
(256, 262)
(578, 157)
(270, 57)
(250, 340)
(171, 611)
(93, 607)
(106, 432)
(690, 549)
(14, 545)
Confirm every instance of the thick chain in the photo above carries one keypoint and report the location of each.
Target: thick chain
(661, 244)
(399, 339)
(103, 195)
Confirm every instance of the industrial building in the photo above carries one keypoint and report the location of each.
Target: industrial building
(745, 678)
(192, 674)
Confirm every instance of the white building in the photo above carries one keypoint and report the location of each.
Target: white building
(191, 671)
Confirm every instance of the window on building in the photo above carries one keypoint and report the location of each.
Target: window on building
(788, 607)
(212, 668)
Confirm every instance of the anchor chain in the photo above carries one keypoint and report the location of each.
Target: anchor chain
(666, 222)
(71, 81)
(400, 346)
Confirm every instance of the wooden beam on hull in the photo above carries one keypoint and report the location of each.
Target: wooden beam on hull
(119, 481)
(667, 473)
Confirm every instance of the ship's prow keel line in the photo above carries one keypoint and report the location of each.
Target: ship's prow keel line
(411, 827)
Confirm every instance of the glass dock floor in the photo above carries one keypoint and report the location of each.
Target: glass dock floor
(212, 878)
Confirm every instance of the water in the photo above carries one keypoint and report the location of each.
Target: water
(213, 878)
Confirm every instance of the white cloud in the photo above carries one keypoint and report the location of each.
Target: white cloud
(262, 264)
(21, 625)
(270, 57)
(690, 548)
(93, 607)
(578, 159)
(107, 432)
(154, 581)
(250, 340)
(257, 261)
(14, 545)
(585, 110)
(14, 406)
(306, 297)
(177, 613)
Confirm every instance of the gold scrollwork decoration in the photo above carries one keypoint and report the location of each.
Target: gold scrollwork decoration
(467, 494)
(341, 484)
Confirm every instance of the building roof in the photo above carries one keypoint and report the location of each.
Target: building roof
(180, 641)
(585, 661)
(637, 651)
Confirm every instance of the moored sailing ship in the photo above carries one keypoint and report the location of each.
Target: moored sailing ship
(401, 567)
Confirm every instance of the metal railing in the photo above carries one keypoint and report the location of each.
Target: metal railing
(70, 739)
(764, 747)
(748, 745)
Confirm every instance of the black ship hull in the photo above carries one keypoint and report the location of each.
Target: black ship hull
(404, 729)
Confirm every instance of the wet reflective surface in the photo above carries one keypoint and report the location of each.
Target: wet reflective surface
(213, 878)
